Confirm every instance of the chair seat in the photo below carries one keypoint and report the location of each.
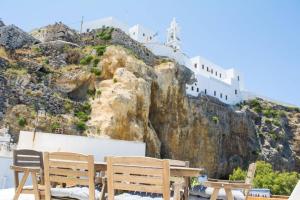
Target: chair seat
(237, 194)
(127, 196)
(81, 193)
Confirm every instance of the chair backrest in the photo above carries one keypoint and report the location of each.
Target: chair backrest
(28, 158)
(70, 169)
(250, 176)
(141, 174)
(179, 163)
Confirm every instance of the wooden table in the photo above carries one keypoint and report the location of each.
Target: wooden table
(20, 186)
(228, 187)
(174, 172)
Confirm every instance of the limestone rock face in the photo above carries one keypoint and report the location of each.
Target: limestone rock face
(12, 37)
(75, 84)
(121, 111)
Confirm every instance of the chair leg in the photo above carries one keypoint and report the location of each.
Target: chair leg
(103, 191)
(215, 194)
(35, 186)
(21, 185)
(229, 194)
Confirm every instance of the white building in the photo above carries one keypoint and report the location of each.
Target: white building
(211, 79)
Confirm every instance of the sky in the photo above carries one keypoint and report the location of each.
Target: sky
(261, 39)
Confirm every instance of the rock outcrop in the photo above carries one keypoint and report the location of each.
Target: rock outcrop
(12, 37)
(57, 31)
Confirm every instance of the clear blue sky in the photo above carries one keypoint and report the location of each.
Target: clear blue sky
(259, 38)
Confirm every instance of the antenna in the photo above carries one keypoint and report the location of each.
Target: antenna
(81, 24)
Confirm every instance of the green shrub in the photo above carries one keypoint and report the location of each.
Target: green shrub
(86, 60)
(105, 33)
(95, 62)
(80, 125)
(98, 92)
(91, 92)
(55, 126)
(276, 122)
(268, 121)
(46, 61)
(82, 116)
(280, 183)
(269, 112)
(96, 71)
(100, 49)
(215, 119)
(21, 121)
(68, 106)
(115, 80)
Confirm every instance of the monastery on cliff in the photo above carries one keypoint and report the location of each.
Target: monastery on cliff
(211, 79)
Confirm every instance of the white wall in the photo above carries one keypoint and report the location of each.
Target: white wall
(141, 34)
(99, 147)
(6, 174)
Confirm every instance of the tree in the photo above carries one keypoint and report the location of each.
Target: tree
(280, 183)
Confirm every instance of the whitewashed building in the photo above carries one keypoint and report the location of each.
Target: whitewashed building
(211, 79)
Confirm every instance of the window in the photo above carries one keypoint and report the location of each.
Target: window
(226, 97)
(133, 33)
(192, 88)
(238, 78)
(195, 65)
(235, 91)
(143, 34)
(220, 75)
(205, 91)
(150, 38)
(221, 95)
(215, 93)
(212, 71)
(207, 69)
(197, 89)
(216, 73)
(202, 66)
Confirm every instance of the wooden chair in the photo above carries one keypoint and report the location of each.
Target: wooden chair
(229, 185)
(27, 162)
(70, 169)
(140, 174)
(185, 181)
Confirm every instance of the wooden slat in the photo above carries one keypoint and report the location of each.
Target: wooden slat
(149, 162)
(67, 156)
(137, 187)
(68, 180)
(138, 179)
(28, 158)
(178, 163)
(74, 165)
(166, 180)
(68, 172)
(137, 170)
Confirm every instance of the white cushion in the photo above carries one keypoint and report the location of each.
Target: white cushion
(237, 194)
(127, 196)
(81, 193)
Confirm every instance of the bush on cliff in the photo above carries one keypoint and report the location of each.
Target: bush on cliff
(280, 183)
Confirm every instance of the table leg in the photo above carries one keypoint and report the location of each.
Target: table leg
(16, 179)
(21, 185)
(215, 194)
(35, 186)
(229, 195)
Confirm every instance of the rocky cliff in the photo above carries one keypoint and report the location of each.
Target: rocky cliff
(108, 85)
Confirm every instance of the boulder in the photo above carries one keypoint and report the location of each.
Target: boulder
(12, 37)
(57, 31)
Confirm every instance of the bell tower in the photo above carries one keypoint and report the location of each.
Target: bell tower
(173, 35)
